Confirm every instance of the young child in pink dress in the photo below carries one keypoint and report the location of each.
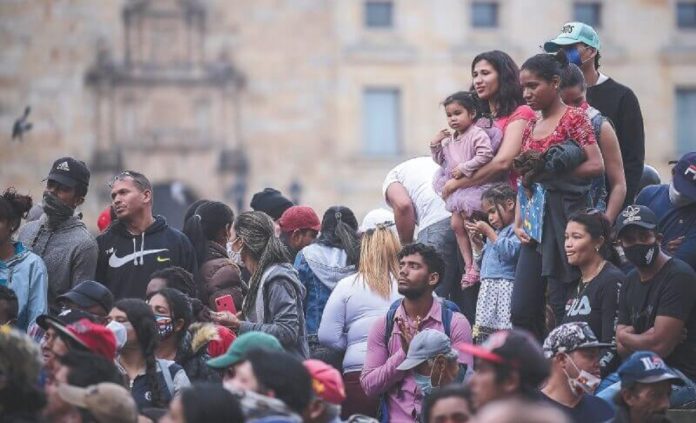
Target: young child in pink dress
(460, 154)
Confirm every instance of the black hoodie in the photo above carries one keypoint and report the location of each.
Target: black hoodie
(126, 261)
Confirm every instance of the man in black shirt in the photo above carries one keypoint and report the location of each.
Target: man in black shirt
(657, 304)
(617, 102)
(574, 352)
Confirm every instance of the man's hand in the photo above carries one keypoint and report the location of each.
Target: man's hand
(406, 334)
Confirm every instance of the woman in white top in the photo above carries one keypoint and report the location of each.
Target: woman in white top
(355, 304)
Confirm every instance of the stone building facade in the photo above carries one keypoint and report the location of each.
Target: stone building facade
(230, 96)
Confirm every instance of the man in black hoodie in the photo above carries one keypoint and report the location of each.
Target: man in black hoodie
(138, 243)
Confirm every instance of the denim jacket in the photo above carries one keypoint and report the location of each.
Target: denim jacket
(500, 257)
(320, 267)
(25, 273)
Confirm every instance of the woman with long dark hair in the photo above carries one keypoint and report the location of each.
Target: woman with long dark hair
(594, 298)
(274, 301)
(568, 131)
(207, 224)
(321, 265)
(495, 79)
(153, 382)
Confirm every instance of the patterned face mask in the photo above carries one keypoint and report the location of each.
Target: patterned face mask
(165, 326)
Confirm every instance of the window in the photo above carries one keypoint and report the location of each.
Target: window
(686, 124)
(484, 14)
(589, 13)
(379, 14)
(686, 15)
(381, 121)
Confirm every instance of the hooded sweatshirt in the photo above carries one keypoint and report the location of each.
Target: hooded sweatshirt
(126, 261)
(278, 309)
(69, 252)
(25, 273)
(320, 267)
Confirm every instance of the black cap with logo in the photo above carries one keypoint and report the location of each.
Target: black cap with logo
(70, 172)
(635, 215)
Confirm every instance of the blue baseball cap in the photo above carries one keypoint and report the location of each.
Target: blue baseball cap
(646, 367)
(684, 179)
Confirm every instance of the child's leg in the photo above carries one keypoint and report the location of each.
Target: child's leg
(462, 238)
(471, 276)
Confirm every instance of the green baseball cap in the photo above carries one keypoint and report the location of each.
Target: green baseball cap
(573, 33)
(245, 342)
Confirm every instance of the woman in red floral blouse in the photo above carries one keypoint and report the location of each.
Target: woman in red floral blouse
(567, 192)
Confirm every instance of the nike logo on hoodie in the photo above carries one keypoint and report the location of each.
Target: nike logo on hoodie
(116, 261)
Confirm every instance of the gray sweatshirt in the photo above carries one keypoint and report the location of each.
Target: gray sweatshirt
(69, 251)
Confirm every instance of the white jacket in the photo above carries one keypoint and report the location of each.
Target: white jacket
(349, 314)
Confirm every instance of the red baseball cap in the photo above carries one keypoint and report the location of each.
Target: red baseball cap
(91, 336)
(299, 217)
(326, 381)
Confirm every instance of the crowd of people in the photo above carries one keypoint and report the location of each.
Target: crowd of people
(523, 272)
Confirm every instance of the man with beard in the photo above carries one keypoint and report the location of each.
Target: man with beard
(420, 271)
(657, 304)
(59, 237)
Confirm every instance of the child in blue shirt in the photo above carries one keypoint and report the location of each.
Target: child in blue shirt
(498, 260)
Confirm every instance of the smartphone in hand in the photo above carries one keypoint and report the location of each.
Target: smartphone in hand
(225, 303)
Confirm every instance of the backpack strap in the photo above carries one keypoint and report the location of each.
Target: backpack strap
(167, 376)
(448, 310)
(390, 321)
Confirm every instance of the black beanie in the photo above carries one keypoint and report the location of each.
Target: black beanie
(271, 202)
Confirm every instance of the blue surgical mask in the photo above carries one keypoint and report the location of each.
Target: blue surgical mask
(573, 55)
(425, 385)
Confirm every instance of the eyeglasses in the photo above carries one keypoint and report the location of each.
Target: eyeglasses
(120, 177)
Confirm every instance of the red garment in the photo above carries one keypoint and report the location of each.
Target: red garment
(574, 124)
(521, 112)
(218, 346)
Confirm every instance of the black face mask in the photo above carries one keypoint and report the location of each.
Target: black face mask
(642, 255)
(56, 211)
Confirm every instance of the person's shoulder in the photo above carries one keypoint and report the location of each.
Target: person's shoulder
(679, 268)
(613, 273)
(597, 407)
(522, 111)
(650, 193)
(28, 229)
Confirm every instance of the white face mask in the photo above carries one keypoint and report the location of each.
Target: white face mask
(585, 382)
(235, 256)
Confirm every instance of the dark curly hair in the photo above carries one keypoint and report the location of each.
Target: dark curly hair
(143, 320)
(509, 95)
(177, 278)
(430, 256)
(14, 207)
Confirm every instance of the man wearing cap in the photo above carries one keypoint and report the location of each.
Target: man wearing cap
(82, 335)
(657, 304)
(328, 393)
(433, 361)
(674, 205)
(89, 296)
(227, 362)
(59, 236)
(509, 364)
(420, 268)
(106, 402)
(574, 352)
(299, 227)
(646, 385)
(617, 102)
